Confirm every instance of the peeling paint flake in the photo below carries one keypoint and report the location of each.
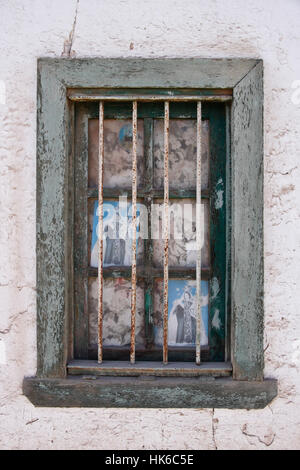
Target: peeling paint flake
(215, 288)
(216, 321)
(219, 195)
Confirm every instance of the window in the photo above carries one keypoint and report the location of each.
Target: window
(178, 143)
(149, 342)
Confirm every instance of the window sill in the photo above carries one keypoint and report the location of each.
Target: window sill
(149, 368)
(149, 392)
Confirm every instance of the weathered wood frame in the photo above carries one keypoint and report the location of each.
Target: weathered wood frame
(55, 154)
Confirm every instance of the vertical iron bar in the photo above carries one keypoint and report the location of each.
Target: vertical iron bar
(198, 236)
(100, 231)
(133, 263)
(166, 232)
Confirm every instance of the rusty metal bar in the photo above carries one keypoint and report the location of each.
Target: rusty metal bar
(100, 231)
(166, 232)
(133, 263)
(77, 96)
(199, 228)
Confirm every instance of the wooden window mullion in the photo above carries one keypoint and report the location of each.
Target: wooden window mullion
(148, 245)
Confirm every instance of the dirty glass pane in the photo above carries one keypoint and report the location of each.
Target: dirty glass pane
(182, 154)
(117, 241)
(182, 240)
(117, 153)
(181, 313)
(116, 312)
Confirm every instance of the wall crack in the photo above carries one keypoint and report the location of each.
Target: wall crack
(266, 441)
(214, 423)
(68, 44)
(14, 318)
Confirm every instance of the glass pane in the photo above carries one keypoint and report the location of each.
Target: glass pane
(182, 242)
(116, 312)
(182, 154)
(181, 312)
(117, 234)
(117, 153)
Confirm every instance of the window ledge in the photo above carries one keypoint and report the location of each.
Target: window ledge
(149, 368)
(149, 392)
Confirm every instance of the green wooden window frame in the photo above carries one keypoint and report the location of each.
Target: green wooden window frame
(246, 388)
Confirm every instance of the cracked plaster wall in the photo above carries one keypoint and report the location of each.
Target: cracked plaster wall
(235, 28)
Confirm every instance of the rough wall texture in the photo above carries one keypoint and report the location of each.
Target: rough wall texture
(149, 28)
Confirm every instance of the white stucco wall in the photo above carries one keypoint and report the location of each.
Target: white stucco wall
(266, 29)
